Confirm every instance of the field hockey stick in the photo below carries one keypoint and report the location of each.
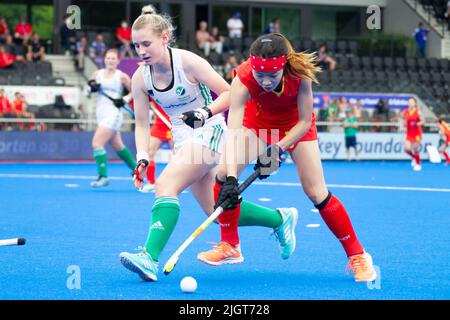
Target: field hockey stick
(159, 114)
(168, 267)
(12, 242)
(112, 99)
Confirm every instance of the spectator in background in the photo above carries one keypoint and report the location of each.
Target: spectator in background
(324, 60)
(4, 29)
(342, 107)
(68, 37)
(217, 40)
(273, 27)
(361, 114)
(16, 50)
(36, 52)
(381, 114)
(19, 109)
(350, 129)
(97, 50)
(81, 49)
(235, 26)
(123, 34)
(421, 37)
(6, 59)
(23, 29)
(5, 108)
(230, 65)
(203, 38)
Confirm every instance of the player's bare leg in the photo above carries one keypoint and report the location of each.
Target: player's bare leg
(309, 168)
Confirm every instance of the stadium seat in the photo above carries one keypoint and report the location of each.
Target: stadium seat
(366, 63)
(444, 65)
(400, 63)
(422, 64)
(342, 62)
(388, 63)
(341, 47)
(433, 63)
(353, 48)
(378, 63)
(15, 79)
(436, 78)
(355, 63)
(413, 76)
(446, 79)
(331, 46)
(411, 63)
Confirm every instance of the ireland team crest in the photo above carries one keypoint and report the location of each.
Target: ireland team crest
(180, 91)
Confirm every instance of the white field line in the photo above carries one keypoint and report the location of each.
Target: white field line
(275, 184)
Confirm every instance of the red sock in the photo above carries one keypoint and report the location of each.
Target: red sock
(229, 220)
(151, 172)
(447, 158)
(410, 153)
(417, 157)
(338, 221)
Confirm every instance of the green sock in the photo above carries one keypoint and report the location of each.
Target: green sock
(165, 214)
(253, 214)
(126, 155)
(101, 159)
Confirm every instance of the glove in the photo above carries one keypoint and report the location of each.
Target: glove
(229, 190)
(196, 118)
(119, 103)
(270, 161)
(94, 85)
(137, 178)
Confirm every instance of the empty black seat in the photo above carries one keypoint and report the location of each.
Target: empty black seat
(444, 65)
(341, 47)
(355, 62)
(412, 64)
(425, 79)
(388, 63)
(342, 62)
(433, 64)
(422, 64)
(413, 76)
(358, 76)
(377, 63)
(331, 46)
(353, 47)
(380, 76)
(366, 63)
(400, 63)
(436, 78)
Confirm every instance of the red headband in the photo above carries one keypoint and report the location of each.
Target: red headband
(267, 64)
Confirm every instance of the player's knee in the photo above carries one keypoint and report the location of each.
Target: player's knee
(165, 189)
(315, 194)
